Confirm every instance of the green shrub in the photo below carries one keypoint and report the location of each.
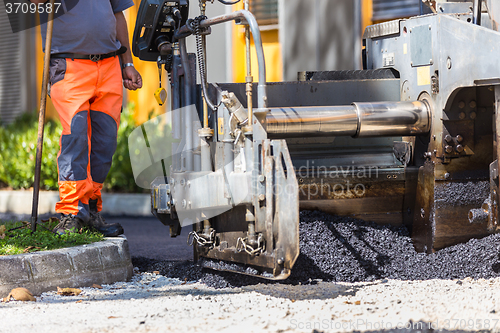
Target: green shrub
(18, 152)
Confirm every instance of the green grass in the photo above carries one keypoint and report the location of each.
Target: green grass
(23, 241)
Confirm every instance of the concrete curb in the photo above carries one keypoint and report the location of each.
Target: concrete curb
(103, 262)
(19, 202)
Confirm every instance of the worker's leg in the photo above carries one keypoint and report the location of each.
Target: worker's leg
(105, 112)
(72, 86)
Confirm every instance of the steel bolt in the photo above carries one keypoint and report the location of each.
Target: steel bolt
(280, 261)
(472, 104)
(459, 148)
(448, 149)
(461, 104)
(472, 115)
(427, 154)
(447, 138)
(461, 115)
(459, 138)
(262, 197)
(184, 203)
(446, 175)
(183, 182)
(262, 178)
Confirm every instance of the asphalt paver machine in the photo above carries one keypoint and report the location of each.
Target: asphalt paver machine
(409, 140)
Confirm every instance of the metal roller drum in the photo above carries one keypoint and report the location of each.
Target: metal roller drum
(312, 121)
(356, 120)
(393, 119)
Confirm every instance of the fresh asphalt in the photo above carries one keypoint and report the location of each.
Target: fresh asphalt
(147, 237)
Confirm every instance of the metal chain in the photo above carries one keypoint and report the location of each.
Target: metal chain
(168, 66)
(201, 239)
(241, 244)
(167, 62)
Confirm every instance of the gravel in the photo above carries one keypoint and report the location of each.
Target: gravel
(363, 278)
(343, 249)
(155, 303)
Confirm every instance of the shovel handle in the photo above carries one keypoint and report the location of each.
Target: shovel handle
(41, 118)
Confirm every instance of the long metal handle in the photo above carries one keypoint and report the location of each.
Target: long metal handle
(41, 118)
(477, 12)
(188, 115)
(249, 78)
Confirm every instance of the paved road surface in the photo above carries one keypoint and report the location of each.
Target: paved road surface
(149, 238)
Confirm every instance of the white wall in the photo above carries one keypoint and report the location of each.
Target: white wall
(318, 35)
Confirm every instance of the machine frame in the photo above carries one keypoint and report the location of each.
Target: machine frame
(410, 140)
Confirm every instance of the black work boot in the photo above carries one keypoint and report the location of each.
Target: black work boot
(97, 222)
(67, 224)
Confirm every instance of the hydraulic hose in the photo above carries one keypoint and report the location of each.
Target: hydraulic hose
(185, 31)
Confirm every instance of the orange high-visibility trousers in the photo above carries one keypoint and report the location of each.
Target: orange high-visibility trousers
(88, 98)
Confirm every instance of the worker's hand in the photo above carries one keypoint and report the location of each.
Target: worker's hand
(132, 80)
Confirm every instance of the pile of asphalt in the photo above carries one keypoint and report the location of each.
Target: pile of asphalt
(343, 249)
